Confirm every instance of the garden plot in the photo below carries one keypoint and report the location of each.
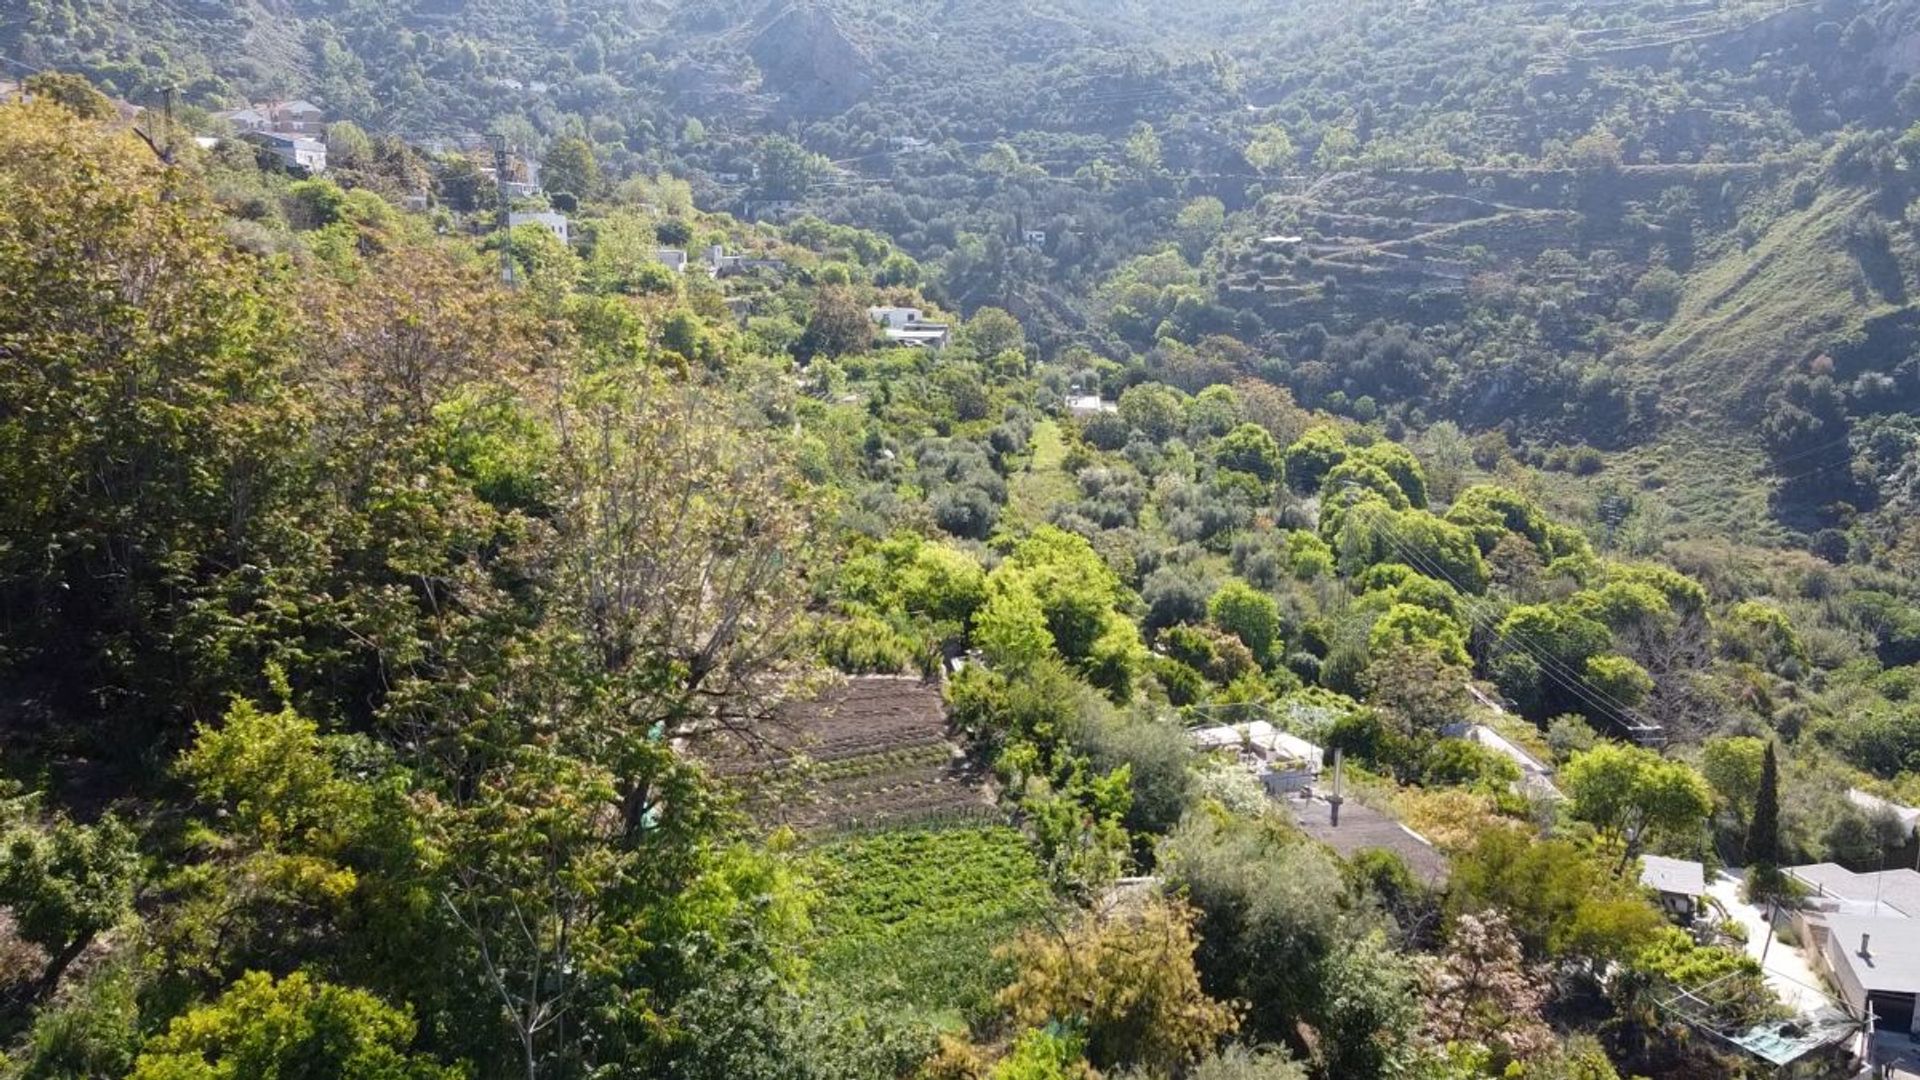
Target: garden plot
(870, 752)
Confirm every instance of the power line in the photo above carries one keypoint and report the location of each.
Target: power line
(1549, 664)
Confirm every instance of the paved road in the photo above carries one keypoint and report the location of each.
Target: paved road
(1787, 972)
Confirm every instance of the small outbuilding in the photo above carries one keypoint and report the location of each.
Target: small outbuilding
(1680, 882)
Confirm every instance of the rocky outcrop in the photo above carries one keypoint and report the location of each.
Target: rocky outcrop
(807, 58)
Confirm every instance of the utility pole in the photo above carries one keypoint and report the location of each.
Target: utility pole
(500, 188)
(1334, 800)
(166, 112)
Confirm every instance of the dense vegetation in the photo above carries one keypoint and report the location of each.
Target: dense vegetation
(361, 615)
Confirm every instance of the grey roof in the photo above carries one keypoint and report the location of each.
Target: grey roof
(1907, 816)
(1683, 877)
(1364, 828)
(1892, 892)
(1892, 963)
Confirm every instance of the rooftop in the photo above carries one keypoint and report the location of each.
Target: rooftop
(1891, 892)
(1892, 963)
(1362, 828)
(1682, 877)
(1907, 816)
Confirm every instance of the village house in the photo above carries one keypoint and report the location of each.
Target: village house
(551, 220)
(721, 264)
(1679, 882)
(298, 117)
(674, 258)
(1862, 931)
(1083, 405)
(908, 328)
(294, 151)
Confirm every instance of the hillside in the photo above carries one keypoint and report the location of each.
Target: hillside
(846, 540)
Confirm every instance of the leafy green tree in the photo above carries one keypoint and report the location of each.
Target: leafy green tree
(64, 884)
(1312, 456)
(787, 169)
(1410, 626)
(1399, 463)
(1271, 150)
(72, 92)
(1156, 411)
(1418, 685)
(131, 409)
(1559, 898)
(1760, 633)
(1130, 978)
(1634, 796)
(1143, 149)
(348, 145)
(1732, 765)
(296, 1027)
(990, 332)
(837, 326)
(1618, 680)
(1249, 449)
(570, 166)
(1248, 614)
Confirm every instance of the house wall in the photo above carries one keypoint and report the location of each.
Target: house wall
(1838, 970)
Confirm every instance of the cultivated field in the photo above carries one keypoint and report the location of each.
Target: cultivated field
(871, 752)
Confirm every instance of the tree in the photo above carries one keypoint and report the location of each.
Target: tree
(71, 92)
(837, 326)
(1419, 686)
(297, 1028)
(64, 884)
(570, 166)
(1249, 449)
(787, 169)
(1481, 990)
(1733, 765)
(463, 186)
(1762, 849)
(1130, 978)
(1632, 795)
(990, 332)
(1271, 150)
(1408, 626)
(1312, 456)
(1248, 614)
(137, 465)
(1159, 412)
(1559, 898)
(1143, 151)
(348, 145)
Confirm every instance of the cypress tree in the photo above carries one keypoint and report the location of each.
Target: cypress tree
(1763, 835)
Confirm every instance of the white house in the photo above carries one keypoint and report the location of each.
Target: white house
(1680, 882)
(907, 327)
(1034, 238)
(293, 151)
(1863, 932)
(551, 220)
(1875, 963)
(674, 258)
(1089, 405)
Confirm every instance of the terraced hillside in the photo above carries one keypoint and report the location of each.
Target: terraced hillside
(872, 751)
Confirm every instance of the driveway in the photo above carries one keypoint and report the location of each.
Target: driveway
(1796, 984)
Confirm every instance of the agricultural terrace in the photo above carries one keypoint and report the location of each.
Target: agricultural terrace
(870, 752)
(912, 918)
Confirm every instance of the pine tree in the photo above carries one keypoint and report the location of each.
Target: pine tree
(1763, 834)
